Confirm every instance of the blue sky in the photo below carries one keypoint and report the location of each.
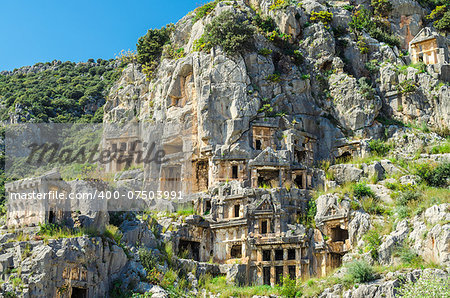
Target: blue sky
(34, 31)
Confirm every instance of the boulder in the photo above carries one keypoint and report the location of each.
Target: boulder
(350, 107)
(381, 192)
(375, 170)
(409, 179)
(136, 233)
(432, 244)
(343, 173)
(325, 202)
(438, 213)
(158, 292)
(391, 241)
(236, 274)
(389, 168)
(358, 226)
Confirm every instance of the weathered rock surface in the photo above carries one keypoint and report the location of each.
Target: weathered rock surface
(351, 108)
(432, 244)
(358, 226)
(346, 173)
(383, 287)
(45, 268)
(392, 241)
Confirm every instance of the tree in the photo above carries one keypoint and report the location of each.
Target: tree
(444, 23)
(228, 31)
(150, 46)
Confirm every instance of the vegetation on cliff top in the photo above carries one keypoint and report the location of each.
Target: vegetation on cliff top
(228, 31)
(150, 47)
(68, 92)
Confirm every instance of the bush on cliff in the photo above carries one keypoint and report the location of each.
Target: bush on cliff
(229, 32)
(436, 176)
(359, 272)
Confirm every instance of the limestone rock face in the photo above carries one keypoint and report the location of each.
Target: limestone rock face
(318, 42)
(438, 213)
(328, 93)
(324, 202)
(426, 103)
(136, 233)
(346, 172)
(432, 244)
(236, 274)
(91, 262)
(125, 95)
(406, 20)
(391, 241)
(351, 108)
(358, 226)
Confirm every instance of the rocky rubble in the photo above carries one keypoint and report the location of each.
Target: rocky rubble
(45, 267)
(383, 287)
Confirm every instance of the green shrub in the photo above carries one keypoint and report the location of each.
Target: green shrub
(169, 51)
(185, 211)
(116, 290)
(379, 147)
(265, 52)
(372, 66)
(373, 240)
(265, 24)
(440, 175)
(407, 196)
(348, 7)
(365, 88)
(407, 86)
(436, 176)
(441, 17)
(113, 232)
(382, 7)
(169, 278)
(229, 32)
(289, 288)
(274, 78)
(372, 206)
(297, 57)
(362, 45)
(147, 258)
(444, 23)
(363, 20)
(360, 272)
(311, 213)
(154, 276)
(204, 10)
(361, 190)
(437, 12)
(322, 16)
(278, 38)
(168, 250)
(280, 4)
(441, 148)
(408, 256)
(402, 211)
(428, 285)
(150, 46)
